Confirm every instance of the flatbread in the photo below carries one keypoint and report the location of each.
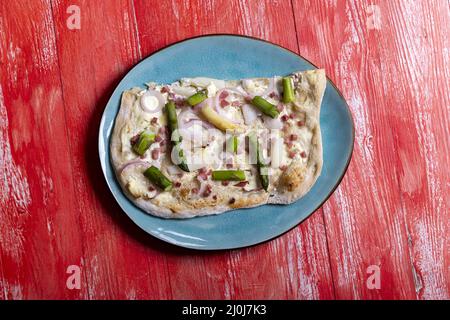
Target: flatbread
(292, 175)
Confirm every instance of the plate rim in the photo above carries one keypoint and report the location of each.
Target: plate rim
(338, 182)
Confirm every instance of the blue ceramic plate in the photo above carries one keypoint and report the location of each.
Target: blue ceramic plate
(233, 57)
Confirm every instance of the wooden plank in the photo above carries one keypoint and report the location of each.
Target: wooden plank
(295, 266)
(39, 230)
(390, 210)
(119, 261)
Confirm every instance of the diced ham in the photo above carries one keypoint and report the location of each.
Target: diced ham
(225, 183)
(134, 139)
(300, 123)
(177, 184)
(207, 191)
(293, 137)
(232, 200)
(292, 154)
(236, 103)
(303, 154)
(224, 103)
(155, 154)
(284, 118)
(223, 95)
(241, 184)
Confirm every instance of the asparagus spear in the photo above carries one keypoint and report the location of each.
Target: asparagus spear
(235, 144)
(262, 168)
(232, 144)
(197, 98)
(222, 175)
(218, 121)
(157, 178)
(146, 138)
(176, 138)
(265, 107)
(288, 90)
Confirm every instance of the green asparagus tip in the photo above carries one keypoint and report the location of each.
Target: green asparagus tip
(265, 107)
(146, 138)
(233, 175)
(197, 98)
(288, 90)
(157, 178)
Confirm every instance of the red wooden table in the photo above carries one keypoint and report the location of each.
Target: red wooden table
(391, 60)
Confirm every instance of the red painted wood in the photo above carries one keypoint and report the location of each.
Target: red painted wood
(39, 230)
(391, 209)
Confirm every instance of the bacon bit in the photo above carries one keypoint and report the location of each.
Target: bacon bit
(303, 154)
(236, 103)
(293, 137)
(229, 165)
(284, 118)
(283, 168)
(194, 190)
(280, 107)
(155, 154)
(241, 184)
(223, 95)
(203, 176)
(292, 154)
(207, 191)
(151, 189)
(154, 121)
(292, 115)
(225, 183)
(224, 103)
(177, 184)
(232, 200)
(179, 103)
(162, 130)
(134, 139)
(301, 123)
(158, 138)
(164, 89)
(214, 197)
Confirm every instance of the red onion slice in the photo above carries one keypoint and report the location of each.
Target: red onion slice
(219, 109)
(270, 123)
(146, 103)
(198, 138)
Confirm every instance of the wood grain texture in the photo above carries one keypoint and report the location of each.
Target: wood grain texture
(39, 230)
(389, 58)
(392, 209)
